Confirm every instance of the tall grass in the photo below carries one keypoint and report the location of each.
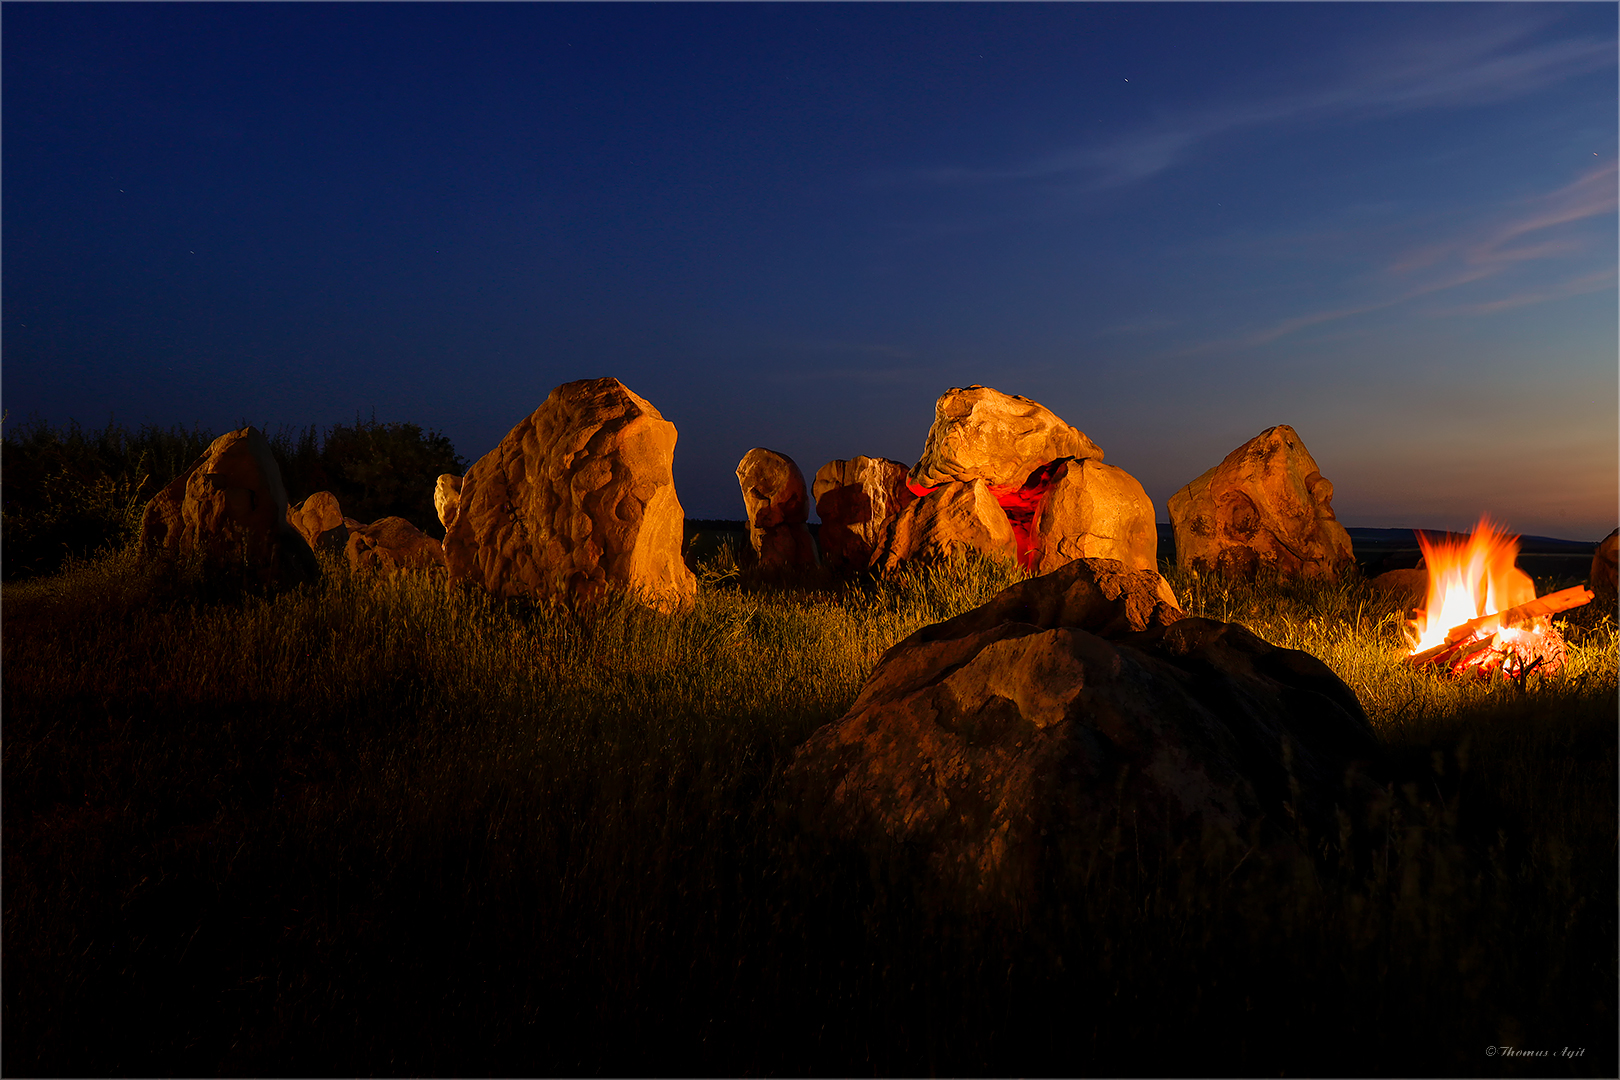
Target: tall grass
(383, 825)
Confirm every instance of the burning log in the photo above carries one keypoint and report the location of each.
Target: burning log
(1516, 640)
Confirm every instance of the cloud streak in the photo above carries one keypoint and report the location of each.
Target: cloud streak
(1488, 65)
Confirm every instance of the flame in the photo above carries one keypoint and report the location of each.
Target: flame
(1469, 576)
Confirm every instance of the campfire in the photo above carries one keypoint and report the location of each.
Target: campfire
(1482, 615)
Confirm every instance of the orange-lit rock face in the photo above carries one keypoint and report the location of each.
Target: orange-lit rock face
(774, 496)
(1468, 576)
(320, 521)
(855, 499)
(1093, 511)
(982, 434)
(228, 506)
(1606, 569)
(1267, 504)
(578, 498)
(953, 519)
(447, 498)
(391, 544)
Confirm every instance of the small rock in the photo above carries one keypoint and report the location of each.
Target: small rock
(447, 498)
(774, 497)
(392, 544)
(855, 500)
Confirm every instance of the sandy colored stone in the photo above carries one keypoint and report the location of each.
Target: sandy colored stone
(955, 519)
(1266, 505)
(982, 434)
(1411, 585)
(321, 522)
(1606, 569)
(230, 508)
(855, 500)
(577, 499)
(447, 498)
(1076, 714)
(1094, 511)
(391, 544)
(774, 496)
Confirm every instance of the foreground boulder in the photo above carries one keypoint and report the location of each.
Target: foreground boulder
(321, 522)
(953, 520)
(230, 509)
(392, 544)
(1074, 714)
(1090, 510)
(1606, 569)
(778, 507)
(577, 499)
(1266, 505)
(982, 434)
(855, 500)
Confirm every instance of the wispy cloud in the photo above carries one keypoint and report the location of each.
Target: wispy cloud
(1491, 63)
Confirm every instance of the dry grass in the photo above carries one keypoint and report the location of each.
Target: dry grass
(392, 827)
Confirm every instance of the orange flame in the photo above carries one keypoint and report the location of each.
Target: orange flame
(1469, 576)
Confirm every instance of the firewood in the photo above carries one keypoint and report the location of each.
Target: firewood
(1486, 625)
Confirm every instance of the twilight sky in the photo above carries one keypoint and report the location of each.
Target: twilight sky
(794, 226)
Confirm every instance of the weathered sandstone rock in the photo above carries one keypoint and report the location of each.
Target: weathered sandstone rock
(983, 434)
(392, 544)
(447, 498)
(1093, 511)
(321, 522)
(1266, 504)
(1410, 585)
(954, 519)
(1077, 714)
(1606, 569)
(578, 498)
(855, 499)
(774, 496)
(230, 508)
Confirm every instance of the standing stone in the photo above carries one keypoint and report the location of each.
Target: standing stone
(774, 496)
(320, 521)
(447, 498)
(855, 499)
(953, 520)
(982, 434)
(1606, 569)
(577, 499)
(230, 508)
(1094, 511)
(392, 544)
(1266, 504)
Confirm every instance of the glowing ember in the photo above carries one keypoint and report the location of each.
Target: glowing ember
(1469, 576)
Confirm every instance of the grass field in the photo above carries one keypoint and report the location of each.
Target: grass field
(385, 827)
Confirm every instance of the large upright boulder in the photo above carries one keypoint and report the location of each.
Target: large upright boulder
(230, 509)
(1094, 511)
(982, 434)
(1266, 505)
(1079, 715)
(577, 499)
(392, 544)
(953, 520)
(855, 500)
(778, 508)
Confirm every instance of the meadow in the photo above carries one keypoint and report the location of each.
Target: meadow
(386, 826)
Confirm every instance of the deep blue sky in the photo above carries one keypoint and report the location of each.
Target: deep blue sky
(1391, 226)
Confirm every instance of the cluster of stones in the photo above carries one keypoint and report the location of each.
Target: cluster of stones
(1000, 475)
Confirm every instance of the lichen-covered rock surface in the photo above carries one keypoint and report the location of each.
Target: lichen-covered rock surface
(1266, 505)
(577, 499)
(855, 500)
(778, 507)
(1075, 715)
(230, 508)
